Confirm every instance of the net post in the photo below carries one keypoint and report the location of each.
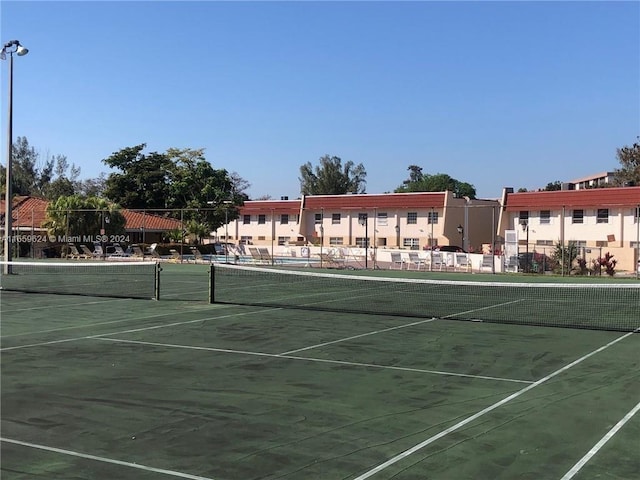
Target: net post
(211, 284)
(156, 290)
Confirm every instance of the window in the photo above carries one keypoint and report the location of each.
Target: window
(603, 215)
(284, 218)
(412, 218)
(577, 216)
(581, 243)
(543, 243)
(283, 240)
(432, 218)
(246, 240)
(362, 242)
(636, 214)
(412, 243)
(382, 219)
(336, 241)
(335, 219)
(261, 237)
(246, 219)
(262, 219)
(523, 216)
(545, 216)
(318, 218)
(362, 217)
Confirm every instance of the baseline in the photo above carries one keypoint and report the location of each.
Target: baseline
(490, 408)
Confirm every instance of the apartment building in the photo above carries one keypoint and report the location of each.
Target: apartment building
(395, 220)
(598, 220)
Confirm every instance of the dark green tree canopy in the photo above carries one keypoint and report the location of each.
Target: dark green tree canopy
(629, 158)
(553, 186)
(177, 179)
(330, 177)
(142, 180)
(49, 178)
(440, 182)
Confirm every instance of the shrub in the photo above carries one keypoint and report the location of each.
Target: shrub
(608, 263)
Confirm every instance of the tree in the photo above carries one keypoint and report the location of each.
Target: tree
(92, 187)
(26, 177)
(63, 185)
(553, 186)
(420, 182)
(196, 186)
(330, 177)
(73, 215)
(629, 158)
(142, 181)
(179, 179)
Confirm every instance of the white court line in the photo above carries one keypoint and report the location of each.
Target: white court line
(89, 325)
(308, 359)
(483, 412)
(62, 305)
(583, 461)
(141, 329)
(396, 327)
(484, 308)
(105, 460)
(375, 332)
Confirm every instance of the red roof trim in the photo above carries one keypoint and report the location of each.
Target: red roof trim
(597, 197)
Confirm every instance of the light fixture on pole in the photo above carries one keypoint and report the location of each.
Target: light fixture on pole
(524, 223)
(398, 236)
(9, 48)
(460, 229)
(363, 221)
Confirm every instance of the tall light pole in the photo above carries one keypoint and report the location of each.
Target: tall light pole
(9, 48)
(363, 221)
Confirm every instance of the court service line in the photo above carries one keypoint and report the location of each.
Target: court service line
(375, 332)
(396, 328)
(583, 461)
(483, 412)
(141, 329)
(309, 359)
(105, 460)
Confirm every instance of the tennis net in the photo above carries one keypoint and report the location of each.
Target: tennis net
(603, 306)
(99, 279)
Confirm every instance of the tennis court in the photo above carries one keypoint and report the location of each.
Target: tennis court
(304, 377)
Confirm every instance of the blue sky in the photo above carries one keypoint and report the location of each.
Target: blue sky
(492, 93)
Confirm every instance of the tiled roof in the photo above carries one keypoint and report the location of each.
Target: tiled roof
(277, 206)
(347, 202)
(596, 197)
(31, 212)
(139, 220)
(26, 212)
(364, 201)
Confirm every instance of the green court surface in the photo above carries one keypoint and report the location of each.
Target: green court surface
(112, 388)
